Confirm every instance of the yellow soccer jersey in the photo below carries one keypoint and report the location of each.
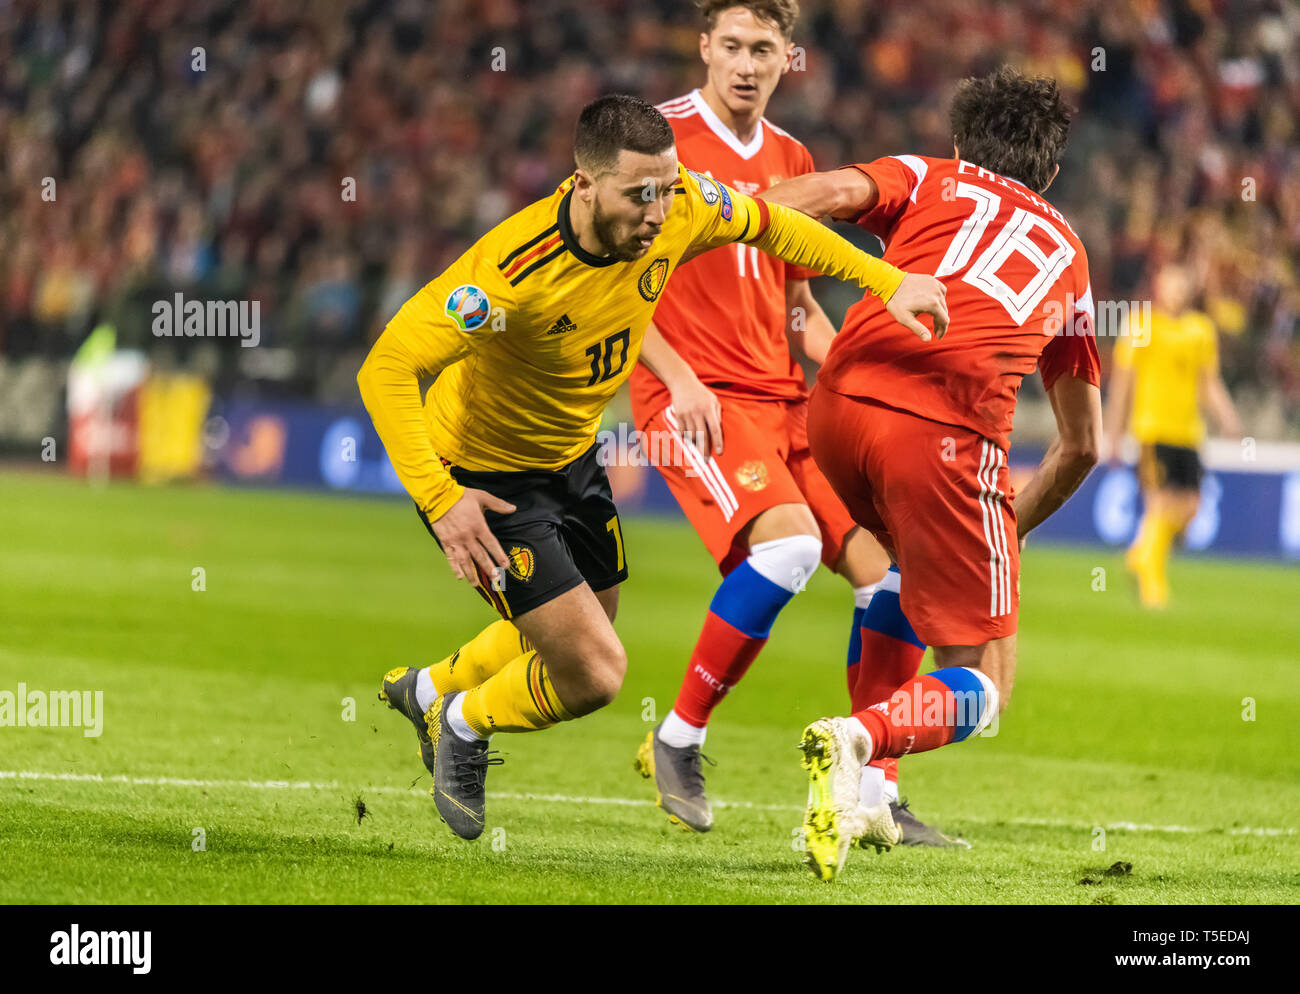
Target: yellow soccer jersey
(1167, 373)
(530, 335)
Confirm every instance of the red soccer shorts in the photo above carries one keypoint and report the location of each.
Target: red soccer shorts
(765, 461)
(937, 497)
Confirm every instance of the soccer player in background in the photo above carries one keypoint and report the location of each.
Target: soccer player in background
(1163, 375)
(914, 439)
(528, 335)
(718, 374)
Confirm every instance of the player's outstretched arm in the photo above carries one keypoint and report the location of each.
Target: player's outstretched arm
(791, 236)
(720, 216)
(844, 194)
(1071, 457)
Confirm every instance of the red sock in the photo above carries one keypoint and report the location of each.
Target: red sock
(886, 662)
(899, 727)
(721, 657)
(929, 711)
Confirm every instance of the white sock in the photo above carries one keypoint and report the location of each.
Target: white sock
(456, 719)
(862, 595)
(787, 562)
(861, 739)
(891, 790)
(679, 733)
(425, 693)
(871, 790)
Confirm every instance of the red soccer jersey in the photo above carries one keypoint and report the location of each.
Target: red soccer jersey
(1018, 295)
(725, 312)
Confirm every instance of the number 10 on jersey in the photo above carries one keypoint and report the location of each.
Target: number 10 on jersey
(602, 357)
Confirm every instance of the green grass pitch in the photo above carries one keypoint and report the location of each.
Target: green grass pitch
(1126, 741)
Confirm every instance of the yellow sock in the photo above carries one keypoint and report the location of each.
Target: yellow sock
(1149, 557)
(1167, 529)
(1140, 551)
(519, 698)
(479, 658)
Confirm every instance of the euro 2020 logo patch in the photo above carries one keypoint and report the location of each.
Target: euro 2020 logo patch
(468, 306)
(653, 279)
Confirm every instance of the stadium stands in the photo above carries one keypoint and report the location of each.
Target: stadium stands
(209, 147)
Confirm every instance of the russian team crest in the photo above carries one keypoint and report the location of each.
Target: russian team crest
(653, 279)
(523, 562)
(752, 475)
(468, 306)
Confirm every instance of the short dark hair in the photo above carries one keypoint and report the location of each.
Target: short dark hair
(615, 122)
(1011, 124)
(782, 13)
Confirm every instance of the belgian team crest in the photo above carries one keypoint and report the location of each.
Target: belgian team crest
(523, 563)
(468, 306)
(653, 279)
(752, 475)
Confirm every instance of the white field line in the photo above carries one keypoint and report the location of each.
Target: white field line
(121, 778)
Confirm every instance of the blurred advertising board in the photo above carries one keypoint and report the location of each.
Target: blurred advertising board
(1250, 503)
(1250, 507)
(127, 420)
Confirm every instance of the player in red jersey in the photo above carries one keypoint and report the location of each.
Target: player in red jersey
(717, 368)
(914, 439)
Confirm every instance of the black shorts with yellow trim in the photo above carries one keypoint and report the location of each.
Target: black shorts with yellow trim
(564, 531)
(1170, 467)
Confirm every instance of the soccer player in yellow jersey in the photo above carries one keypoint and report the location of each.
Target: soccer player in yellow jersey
(529, 334)
(1163, 375)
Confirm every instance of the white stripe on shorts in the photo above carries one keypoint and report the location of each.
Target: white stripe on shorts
(992, 460)
(708, 471)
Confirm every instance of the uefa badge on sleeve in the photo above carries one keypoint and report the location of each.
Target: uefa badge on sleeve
(709, 190)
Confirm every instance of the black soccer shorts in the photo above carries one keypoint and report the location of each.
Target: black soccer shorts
(564, 531)
(1170, 467)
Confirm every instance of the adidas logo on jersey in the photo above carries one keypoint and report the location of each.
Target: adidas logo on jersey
(561, 326)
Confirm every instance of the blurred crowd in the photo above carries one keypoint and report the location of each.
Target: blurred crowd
(328, 158)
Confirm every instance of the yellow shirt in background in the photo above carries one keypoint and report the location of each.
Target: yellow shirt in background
(1167, 373)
